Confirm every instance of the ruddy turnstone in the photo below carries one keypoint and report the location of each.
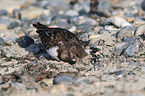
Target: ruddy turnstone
(60, 44)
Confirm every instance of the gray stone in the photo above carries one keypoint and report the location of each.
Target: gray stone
(25, 41)
(127, 31)
(63, 79)
(13, 25)
(35, 48)
(84, 26)
(82, 8)
(1, 43)
(3, 12)
(71, 13)
(4, 21)
(82, 80)
(10, 40)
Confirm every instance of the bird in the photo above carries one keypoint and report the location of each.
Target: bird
(60, 44)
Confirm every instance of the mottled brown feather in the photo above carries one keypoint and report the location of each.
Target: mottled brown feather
(69, 45)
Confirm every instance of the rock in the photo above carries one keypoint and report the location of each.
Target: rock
(127, 31)
(119, 73)
(83, 19)
(13, 25)
(140, 30)
(40, 3)
(46, 19)
(4, 21)
(127, 47)
(84, 26)
(3, 12)
(118, 48)
(33, 12)
(25, 41)
(17, 13)
(120, 22)
(105, 8)
(138, 21)
(57, 5)
(143, 5)
(63, 79)
(82, 8)
(129, 40)
(1, 43)
(74, 20)
(10, 40)
(131, 47)
(64, 25)
(82, 80)
(35, 48)
(71, 13)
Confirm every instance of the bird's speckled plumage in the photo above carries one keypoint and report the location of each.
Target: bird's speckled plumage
(69, 46)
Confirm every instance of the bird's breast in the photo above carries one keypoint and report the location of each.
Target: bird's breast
(53, 52)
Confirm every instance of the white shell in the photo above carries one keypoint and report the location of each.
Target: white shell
(53, 52)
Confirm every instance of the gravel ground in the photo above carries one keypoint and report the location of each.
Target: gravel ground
(114, 64)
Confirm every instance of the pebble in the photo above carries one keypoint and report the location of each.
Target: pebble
(10, 40)
(118, 48)
(129, 40)
(125, 32)
(46, 19)
(138, 21)
(71, 13)
(53, 5)
(64, 79)
(132, 46)
(35, 48)
(82, 8)
(120, 22)
(84, 26)
(143, 5)
(131, 49)
(120, 73)
(4, 21)
(105, 8)
(140, 30)
(63, 25)
(17, 13)
(2, 43)
(13, 25)
(3, 12)
(33, 12)
(83, 19)
(82, 80)
(25, 41)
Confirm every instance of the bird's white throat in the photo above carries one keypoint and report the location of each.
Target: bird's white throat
(53, 52)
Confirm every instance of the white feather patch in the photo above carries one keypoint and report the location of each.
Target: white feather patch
(53, 52)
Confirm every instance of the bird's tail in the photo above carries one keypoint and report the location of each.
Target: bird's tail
(39, 26)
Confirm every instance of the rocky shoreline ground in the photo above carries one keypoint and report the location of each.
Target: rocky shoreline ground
(114, 64)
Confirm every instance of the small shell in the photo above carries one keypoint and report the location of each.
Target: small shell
(120, 22)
